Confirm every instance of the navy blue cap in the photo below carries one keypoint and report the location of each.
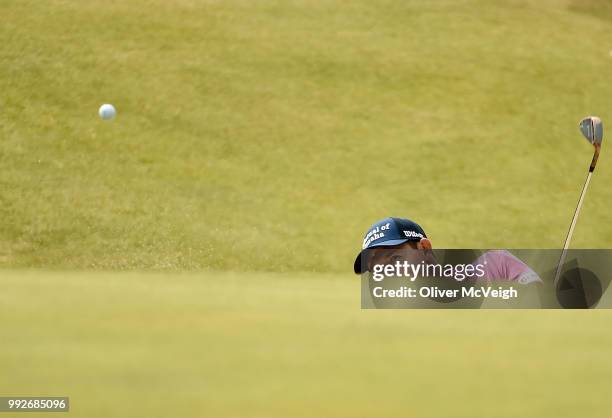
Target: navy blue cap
(388, 233)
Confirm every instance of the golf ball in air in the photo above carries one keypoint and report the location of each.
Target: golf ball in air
(107, 111)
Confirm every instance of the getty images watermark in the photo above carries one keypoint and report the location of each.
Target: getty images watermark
(475, 278)
(411, 271)
(423, 270)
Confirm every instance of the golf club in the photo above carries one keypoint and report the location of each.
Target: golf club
(592, 129)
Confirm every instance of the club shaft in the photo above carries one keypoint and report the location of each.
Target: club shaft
(568, 239)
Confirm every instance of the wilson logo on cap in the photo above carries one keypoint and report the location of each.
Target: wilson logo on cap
(412, 234)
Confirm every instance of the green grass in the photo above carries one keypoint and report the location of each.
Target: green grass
(268, 135)
(275, 345)
(255, 143)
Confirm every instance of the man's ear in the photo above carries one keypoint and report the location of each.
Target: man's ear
(424, 244)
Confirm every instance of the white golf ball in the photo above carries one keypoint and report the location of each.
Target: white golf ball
(107, 111)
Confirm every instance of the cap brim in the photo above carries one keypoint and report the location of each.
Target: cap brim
(392, 243)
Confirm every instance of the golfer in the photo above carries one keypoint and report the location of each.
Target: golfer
(396, 239)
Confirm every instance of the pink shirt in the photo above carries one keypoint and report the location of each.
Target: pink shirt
(502, 265)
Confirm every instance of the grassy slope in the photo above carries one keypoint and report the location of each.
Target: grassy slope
(252, 133)
(237, 345)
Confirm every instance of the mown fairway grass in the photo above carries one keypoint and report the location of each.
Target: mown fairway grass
(278, 345)
(266, 136)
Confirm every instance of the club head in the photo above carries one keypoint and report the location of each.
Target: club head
(592, 129)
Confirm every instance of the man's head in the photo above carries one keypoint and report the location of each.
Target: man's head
(391, 240)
